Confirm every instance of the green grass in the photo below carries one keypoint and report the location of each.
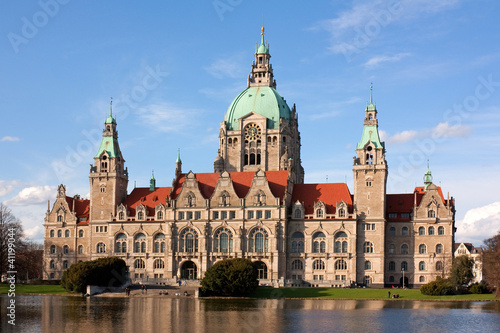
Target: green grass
(338, 293)
(34, 289)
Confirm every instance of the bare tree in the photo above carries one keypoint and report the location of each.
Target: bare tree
(491, 262)
(10, 229)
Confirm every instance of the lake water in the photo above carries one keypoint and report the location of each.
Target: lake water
(156, 314)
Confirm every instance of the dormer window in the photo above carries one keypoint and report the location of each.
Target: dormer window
(319, 213)
(431, 213)
(341, 212)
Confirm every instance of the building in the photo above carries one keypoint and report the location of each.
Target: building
(476, 254)
(256, 205)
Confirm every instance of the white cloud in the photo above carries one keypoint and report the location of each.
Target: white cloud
(7, 186)
(10, 138)
(166, 117)
(375, 61)
(34, 233)
(442, 130)
(32, 196)
(403, 137)
(227, 67)
(479, 224)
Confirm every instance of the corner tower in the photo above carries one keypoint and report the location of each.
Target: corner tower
(259, 130)
(108, 178)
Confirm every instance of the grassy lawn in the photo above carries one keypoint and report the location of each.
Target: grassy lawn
(334, 293)
(34, 289)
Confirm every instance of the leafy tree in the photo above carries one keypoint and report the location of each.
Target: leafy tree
(230, 277)
(461, 271)
(491, 262)
(10, 227)
(439, 287)
(104, 272)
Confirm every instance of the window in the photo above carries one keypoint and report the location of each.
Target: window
(121, 216)
(80, 233)
(318, 264)
(439, 248)
(232, 215)
(422, 249)
(366, 226)
(159, 215)
(223, 240)
(140, 215)
(268, 214)
(52, 233)
(52, 264)
(121, 243)
(250, 214)
(139, 264)
(340, 264)
(393, 215)
(197, 215)
(258, 240)
(319, 244)
(392, 266)
(368, 184)
(341, 212)
(297, 264)
(422, 278)
(181, 215)
(158, 264)
(392, 249)
(66, 233)
(215, 215)
(259, 214)
(421, 231)
(404, 266)
(368, 265)
(223, 215)
(441, 231)
(404, 249)
(405, 215)
(392, 231)
(341, 242)
(431, 213)
(431, 231)
(101, 248)
(65, 249)
(65, 264)
(52, 249)
(404, 231)
(188, 240)
(439, 266)
(80, 249)
(159, 243)
(368, 247)
(59, 233)
(319, 213)
(59, 218)
(298, 213)
(297, 242)
(140, 243)
(421, 266)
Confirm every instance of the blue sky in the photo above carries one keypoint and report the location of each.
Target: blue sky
(174, 67)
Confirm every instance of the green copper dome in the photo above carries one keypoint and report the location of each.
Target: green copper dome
(110, 120)
(262, 100)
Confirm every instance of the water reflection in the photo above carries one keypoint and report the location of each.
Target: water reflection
(103, 314)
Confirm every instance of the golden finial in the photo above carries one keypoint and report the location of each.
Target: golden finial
(262, 33)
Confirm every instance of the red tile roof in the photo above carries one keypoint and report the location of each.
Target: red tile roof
(401, 203)
(82, 208)
(150, 199)
(330, 194)
(421, 189)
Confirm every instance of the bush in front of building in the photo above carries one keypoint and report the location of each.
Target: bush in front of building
(438, 287)
(479, 288)
(230, 277)
(104, 272)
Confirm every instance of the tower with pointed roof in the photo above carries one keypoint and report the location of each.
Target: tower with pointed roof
(260, 130)
(108, 176)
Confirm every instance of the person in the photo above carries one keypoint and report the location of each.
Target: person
(142, 289)
(389, 292)
(180, 282)
(145, 289)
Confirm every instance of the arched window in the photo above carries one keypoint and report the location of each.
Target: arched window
(80, 233)
(422, 278)
(52, 249)
(121, 216)
(439, 248)
(404, 249)
(139, 264)
(344, 247)
(368, 265)
(258, 240)
(298, 213)
(140, 243)
(188, 240)
(441, 231)
(140, 215)
(404, 231)
(297, 265)
(341, 212)
(431, 231)
(422, 249)
(65, 264)
(392, 266)
(318, 264)
(368, 247)
(341, 244)
(159, 215)
(319, 213)
(297, 242)
(52, 233)
(421, 231)
(59, 233)
(65, 249)
(439, 266)
(223, 240)
(421, 266)
(404, 266)
(392, 249)
(66, 233)
(121, 243)
(319, 242)
(392, 231)
(80, 249)
(101, 248)
(159, 243)
(340, 264)
(52, 264)
(431, 213)
(158, 264)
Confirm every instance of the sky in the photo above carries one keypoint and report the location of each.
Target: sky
(173, 67)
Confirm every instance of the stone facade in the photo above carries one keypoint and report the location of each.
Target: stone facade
(476, 254)
(256, 206)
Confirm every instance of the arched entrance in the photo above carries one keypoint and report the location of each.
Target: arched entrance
(401, 282)
(367, 281)
(189, 271)
(261, 270)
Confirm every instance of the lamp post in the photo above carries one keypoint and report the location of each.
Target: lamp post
(403, 277)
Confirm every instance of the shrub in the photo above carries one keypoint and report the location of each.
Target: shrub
(230, 277)
(106, 272)
(438, 287)
(479, 288)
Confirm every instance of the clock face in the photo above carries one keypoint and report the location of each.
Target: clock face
(252, 131)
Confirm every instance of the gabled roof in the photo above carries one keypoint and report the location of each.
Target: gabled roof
(330, 194)
(469, 247)
(82, 208)
(148, 198)
(401, 203)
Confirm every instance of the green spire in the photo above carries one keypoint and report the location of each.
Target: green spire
(110, 119)
(178, 160)
(427, 177)
(371, 106)
(262, 47)
(152, 182)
